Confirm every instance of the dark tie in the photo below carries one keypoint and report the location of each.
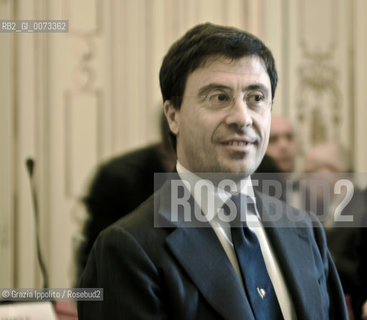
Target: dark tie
(258, 286)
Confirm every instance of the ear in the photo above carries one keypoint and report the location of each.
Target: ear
(173, 116)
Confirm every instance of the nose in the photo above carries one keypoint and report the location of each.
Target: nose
(239, 115)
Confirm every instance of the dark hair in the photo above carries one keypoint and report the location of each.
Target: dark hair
(201, 43)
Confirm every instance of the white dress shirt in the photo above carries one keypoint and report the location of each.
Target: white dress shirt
(207, 201)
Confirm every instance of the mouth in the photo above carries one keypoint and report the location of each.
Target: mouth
(236, 143)
(241, 145)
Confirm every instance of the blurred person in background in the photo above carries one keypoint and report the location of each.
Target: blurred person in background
(327, 165)
(283, 148)
(283, 145)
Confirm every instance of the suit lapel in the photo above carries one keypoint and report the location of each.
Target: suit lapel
(200, 253)
(293, 250)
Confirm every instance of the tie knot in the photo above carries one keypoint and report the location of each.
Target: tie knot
(238, 198)
(235, 209)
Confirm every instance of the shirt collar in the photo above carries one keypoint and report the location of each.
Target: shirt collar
(220, 195)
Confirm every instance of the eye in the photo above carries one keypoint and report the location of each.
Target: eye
(273, 139)
(289, 137)
(256, 99)
(219, 99)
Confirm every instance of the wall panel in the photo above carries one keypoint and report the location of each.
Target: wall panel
(7, 147)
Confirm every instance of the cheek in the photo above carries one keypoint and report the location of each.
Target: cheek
(207, 125)
(265, 130)
(265, 141)
(267, 136)
(195, 132)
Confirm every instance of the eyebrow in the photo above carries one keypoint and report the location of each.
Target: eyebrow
(217, 86)
(212, 86)
(257, 86)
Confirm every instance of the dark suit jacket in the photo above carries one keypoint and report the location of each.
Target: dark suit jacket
(183, 273)
(348, 246)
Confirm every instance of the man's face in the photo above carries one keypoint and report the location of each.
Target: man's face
(282, 144)
(215, 136)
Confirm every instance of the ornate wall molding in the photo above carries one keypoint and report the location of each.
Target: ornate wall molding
(324, 103)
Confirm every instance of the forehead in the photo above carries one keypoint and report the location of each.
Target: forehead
(231, 72)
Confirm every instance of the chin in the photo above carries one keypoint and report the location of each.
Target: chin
(241, 169)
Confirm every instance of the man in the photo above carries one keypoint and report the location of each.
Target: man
(282, 144)
(218, 84)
